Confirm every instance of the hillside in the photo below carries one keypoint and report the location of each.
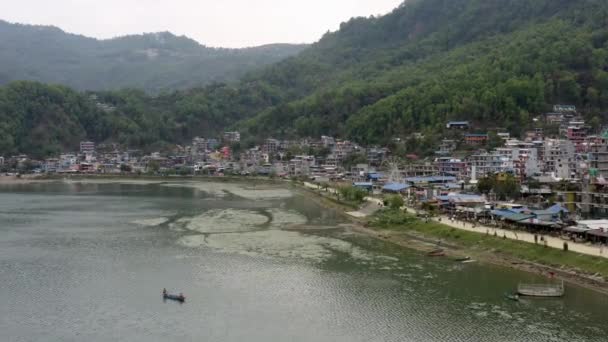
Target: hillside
(493, 62)
(153, 62)
(496, 63)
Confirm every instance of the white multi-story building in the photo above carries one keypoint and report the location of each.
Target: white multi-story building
(232, 137)
(598, 158)
(87, 147)
(328, 142)
(559, 158)
(525, 159)
(487, 164)
(343, 149)
(301, 165)
(271, 146)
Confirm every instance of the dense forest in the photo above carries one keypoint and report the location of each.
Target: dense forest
(153, 62)
(496, 63)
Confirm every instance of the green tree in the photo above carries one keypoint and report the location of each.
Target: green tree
(486, 185)
(395, 202)
(153, 166)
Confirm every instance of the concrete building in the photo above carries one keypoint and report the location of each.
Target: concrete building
(376, 155)
(87, 147)
(328, 142)
(301, 166)
(487, 164)
(232, 137)
(448, 166)
(199, 145)
(559, 158)
(476, 139)
(524, 157)
(271, 146)
(598, 159)
(577, 132)
(446, 147)
(343, 149)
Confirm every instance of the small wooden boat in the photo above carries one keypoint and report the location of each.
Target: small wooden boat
(177, 298)
(512, 296)
(436, 253)
(462, 259)
(541, 290)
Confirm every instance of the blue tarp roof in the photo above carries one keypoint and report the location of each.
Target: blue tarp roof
(511, 215)
(396, 187)
(557, 208)
(374, 176)
(362, 185)
(461, 198)
(519, 210)
(432, 179)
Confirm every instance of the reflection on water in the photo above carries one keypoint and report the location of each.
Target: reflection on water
(87, 261)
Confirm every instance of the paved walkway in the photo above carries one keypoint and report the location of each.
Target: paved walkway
(552, 242)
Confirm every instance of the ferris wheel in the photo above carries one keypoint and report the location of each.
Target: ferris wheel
(392, 165)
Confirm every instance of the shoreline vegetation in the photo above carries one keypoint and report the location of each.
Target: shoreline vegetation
(406, 230)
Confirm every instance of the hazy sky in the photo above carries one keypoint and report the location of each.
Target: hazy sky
(227, 23)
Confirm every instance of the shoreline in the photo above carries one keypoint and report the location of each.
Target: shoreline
(412, 240)
(425, 243)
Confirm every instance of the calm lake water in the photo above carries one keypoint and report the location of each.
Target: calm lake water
(87, 262)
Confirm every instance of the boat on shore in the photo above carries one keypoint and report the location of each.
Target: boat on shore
(541, 290)
(436, 253)
(462, 259)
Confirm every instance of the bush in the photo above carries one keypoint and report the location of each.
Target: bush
(395, 202)
(353, 194)
(392, 217)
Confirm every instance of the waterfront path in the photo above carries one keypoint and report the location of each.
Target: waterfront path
(369, 208)
(552, 242)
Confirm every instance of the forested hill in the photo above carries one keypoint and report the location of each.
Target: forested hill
(496, 63)
(153, 62)
(493, 62)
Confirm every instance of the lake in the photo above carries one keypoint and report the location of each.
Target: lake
(87, 261)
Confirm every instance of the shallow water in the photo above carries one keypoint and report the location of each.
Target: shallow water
(87, 261)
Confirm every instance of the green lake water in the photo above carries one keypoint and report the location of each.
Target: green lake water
(86, 261)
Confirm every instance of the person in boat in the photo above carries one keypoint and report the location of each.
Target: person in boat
(181, 296)
(164, 292)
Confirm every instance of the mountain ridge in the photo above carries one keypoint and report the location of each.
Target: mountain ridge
(49, 54)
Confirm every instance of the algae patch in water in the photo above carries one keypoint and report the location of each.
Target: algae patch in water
(242, 190)
(277, 243)
(225, 221)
